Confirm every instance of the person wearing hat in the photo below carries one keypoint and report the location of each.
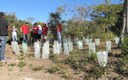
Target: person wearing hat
(4, 27)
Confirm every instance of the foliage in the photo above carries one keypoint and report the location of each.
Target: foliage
(106, 15)
(122, 68)
(53, 69)
(54, 19)
(92, 55)
(125, 46)
(21, 64)
(96, 72)
(53, 57)
(36, 68)
(76, 60)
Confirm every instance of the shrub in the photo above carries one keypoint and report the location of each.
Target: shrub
(124, 46)
(76, 60)
(53, 57)
(36, 68)
(21, 64)
(53, 69)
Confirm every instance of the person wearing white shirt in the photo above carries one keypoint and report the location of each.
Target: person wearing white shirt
(14, 34)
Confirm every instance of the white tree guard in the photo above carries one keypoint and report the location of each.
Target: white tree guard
(97, 42)
(24, 48)
(37, 48)
(102, 58)
(92, 48)
(76, 40)
(70, 45)
(116, 40)
(45, 53)
(66, 48)
(80, 44)
(86, 41)
(15, 47)
(108, 45)
(57, 47)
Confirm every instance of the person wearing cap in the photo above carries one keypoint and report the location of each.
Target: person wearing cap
(4, 27)
(14, 34)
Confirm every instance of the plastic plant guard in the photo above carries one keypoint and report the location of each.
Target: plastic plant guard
(45, 53)
(102, 58)
(70, 45)
(55, 47)
(86, 41)
(92, 48)
(117, 40)
(58, 48)
(97, 41)
(80, 44)
(83, 39)
(66, 48)
(37, 52)
(76, 40)
(24, 48)
(15, 47)
(108, 45)
(90, 40)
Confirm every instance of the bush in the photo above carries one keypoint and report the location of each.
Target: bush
(124, 46)
(53, 69)
(53, 57)
(76, 60)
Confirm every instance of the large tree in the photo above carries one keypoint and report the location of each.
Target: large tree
(54, 19)
(106, 16)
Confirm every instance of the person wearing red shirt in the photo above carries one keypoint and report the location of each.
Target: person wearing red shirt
(25, 30)
(35, 30)
(44, 31)
(59, 28)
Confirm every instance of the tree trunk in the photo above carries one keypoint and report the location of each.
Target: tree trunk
(127, 15)
(125, 21)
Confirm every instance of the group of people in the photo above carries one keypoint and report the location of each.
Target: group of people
(38, 32)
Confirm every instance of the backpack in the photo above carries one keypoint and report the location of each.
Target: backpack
(35, 30)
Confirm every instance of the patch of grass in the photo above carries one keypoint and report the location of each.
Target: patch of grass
(121, 68)
(53, 57)
(65, 75)
(21, 58)
(29, 55)
(1, 64)
(96, 72)
(92, 55)
(76, 60)
(53, 69)
(21, 64)
(36, 68)
(11, 64)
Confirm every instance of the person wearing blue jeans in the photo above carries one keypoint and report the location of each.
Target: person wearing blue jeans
(25, 38)
(3, 40)
(3, 35)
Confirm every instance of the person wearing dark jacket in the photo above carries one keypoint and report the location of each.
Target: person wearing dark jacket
(3, 36)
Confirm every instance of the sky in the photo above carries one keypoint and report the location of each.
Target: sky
(40, 9)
